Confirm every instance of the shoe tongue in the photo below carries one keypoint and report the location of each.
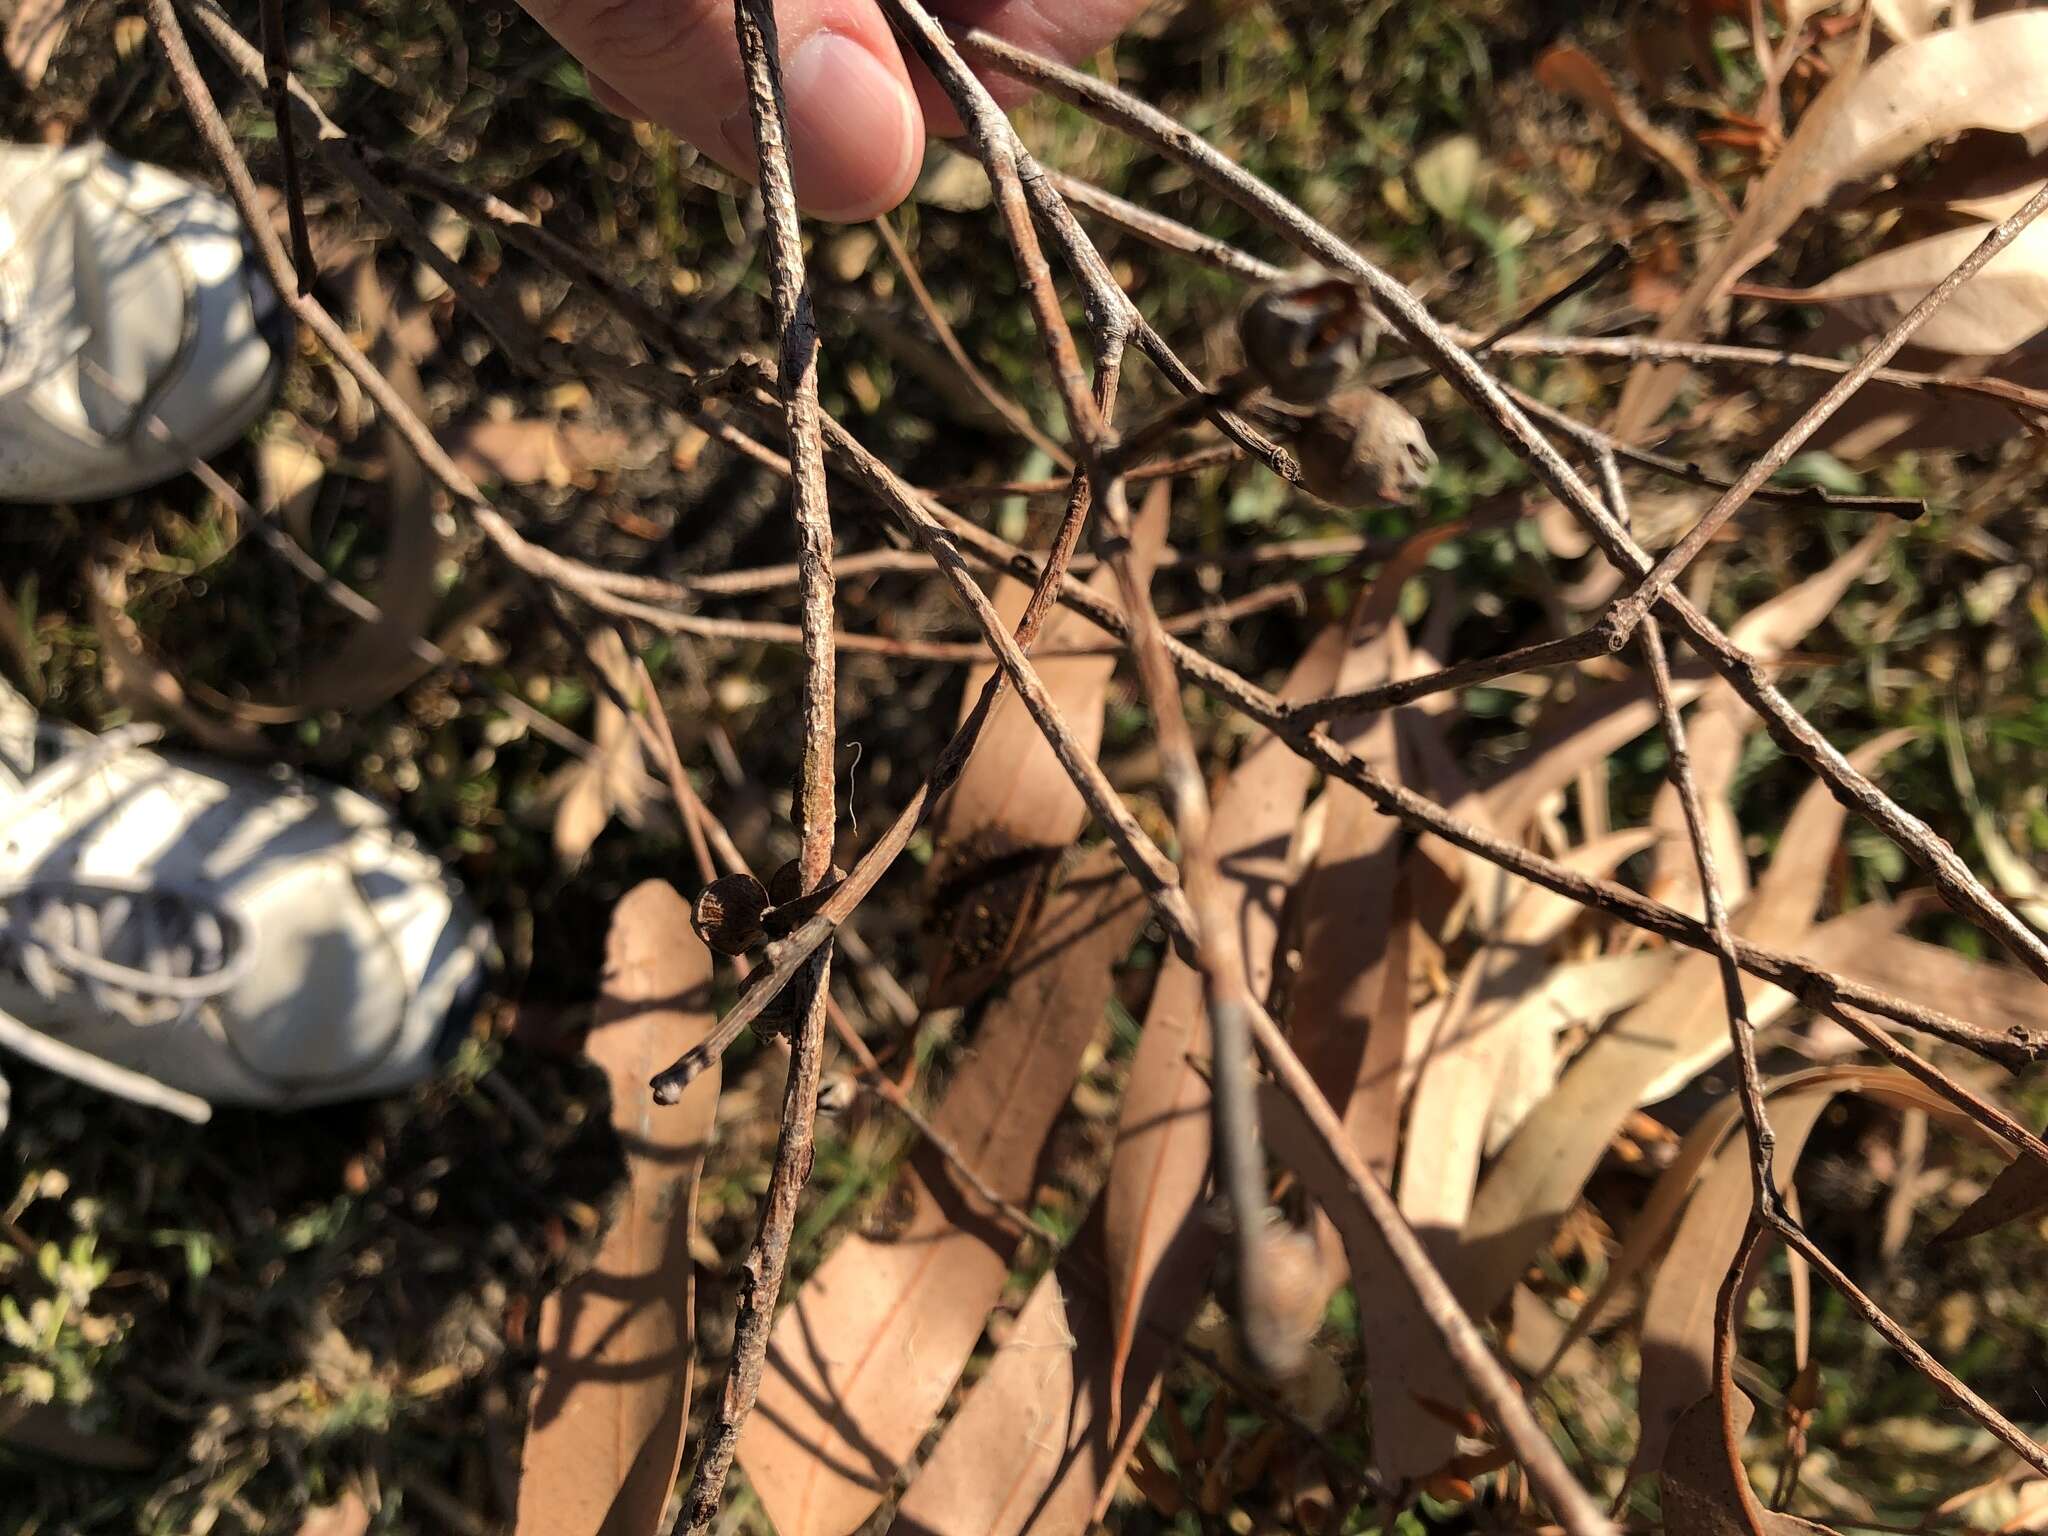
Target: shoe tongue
(108, 295)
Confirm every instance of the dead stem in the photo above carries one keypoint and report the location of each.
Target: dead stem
(759, 1282)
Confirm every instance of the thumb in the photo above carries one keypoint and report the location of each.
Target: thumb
(856, 133)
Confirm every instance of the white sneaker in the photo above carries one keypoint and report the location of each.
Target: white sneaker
(184, 932)
(125, 294)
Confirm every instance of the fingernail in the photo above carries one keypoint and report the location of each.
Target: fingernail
(854, 132)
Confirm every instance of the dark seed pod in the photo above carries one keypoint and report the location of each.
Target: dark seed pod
(1306, 334)
(1361, 448)
(728, 914)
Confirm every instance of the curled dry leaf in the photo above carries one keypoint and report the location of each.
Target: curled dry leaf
(1002, 828)
(617, 1344)
(1705, 1486)
(863, 1360)
(1992, 75)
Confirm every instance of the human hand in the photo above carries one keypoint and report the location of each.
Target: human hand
(858, 113)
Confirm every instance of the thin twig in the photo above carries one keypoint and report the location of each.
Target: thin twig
(1528, 658)
(1599, 442)
(1168, 234)
(277, 70)
(1657, 349)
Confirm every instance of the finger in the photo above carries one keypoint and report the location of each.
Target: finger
(612, 99)
(856, 135)
(1062, 29)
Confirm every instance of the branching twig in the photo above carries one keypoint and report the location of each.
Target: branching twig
(760, 1276)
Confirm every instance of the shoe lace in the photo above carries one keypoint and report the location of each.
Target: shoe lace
(144, 953)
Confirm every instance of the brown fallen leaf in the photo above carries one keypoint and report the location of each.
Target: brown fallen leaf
(1033, 1449)
(865, 1357)
(1390, 1316)
(1993, 75)
(1014, 810)
(1849, 934)
(613, 781)
(1998, 995)
(1721, 722)
(534, 451)
(34, 32)
(1705, 1486)
(1678, 1314)
(2019, 1191)
(2000, 309)
(611, 1391)
(1158, 1248)
(1591, 728)
(1346, 900)
(1715, 732)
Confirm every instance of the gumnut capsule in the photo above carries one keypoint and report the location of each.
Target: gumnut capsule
(1306, 334)
(1361, 448)
(728, 914)
(1281, 1299)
